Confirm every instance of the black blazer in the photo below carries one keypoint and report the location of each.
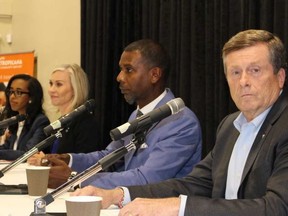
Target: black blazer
(81, 136)
(264, 186)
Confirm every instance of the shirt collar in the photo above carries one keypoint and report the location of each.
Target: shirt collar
(241, 120)
(257, 122)
(149, 107)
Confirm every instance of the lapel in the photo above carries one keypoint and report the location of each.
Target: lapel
(225, 140)
(271, 118)
(129, 155)
(21, 140)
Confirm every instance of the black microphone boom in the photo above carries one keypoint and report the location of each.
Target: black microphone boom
(13, 120)
(145, 121)
(66, 119)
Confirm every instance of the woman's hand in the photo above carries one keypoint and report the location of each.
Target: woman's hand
(36, 159)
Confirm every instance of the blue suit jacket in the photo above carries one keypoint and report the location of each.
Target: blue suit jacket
(173, 148)
(28, 139)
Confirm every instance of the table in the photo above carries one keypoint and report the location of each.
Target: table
(23, 205)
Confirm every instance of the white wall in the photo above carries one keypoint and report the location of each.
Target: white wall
(5, 24)
(51, 28)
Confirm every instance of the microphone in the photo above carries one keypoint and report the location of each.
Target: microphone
(66, 119)
(145, 121)
(13, 120)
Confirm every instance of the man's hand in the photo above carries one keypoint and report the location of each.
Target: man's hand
(40, 159)
(63, 157)
(109, 197)
(152, 207)
(59, 172)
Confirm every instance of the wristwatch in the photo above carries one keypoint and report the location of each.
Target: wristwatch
(72, 175)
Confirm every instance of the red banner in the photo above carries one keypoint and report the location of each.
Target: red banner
(16, 63)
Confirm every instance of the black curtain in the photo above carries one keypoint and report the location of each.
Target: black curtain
(193, 32)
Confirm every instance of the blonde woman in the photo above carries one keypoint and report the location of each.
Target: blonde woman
(68, 89)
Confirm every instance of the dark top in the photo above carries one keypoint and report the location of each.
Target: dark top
(32, 133)
(81, 136)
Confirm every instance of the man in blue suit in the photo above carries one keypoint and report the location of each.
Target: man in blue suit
(172, 146)
(246, 172)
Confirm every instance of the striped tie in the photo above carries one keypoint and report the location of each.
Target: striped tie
(139, 113)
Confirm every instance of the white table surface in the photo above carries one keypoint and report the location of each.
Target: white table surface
(23, 205)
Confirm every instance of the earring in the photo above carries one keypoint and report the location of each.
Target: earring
(30, 101)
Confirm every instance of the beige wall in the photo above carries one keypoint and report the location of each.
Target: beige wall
(50, 27)
(5, 24)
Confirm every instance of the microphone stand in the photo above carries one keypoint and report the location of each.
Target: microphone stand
(43, 144)
(41, 203)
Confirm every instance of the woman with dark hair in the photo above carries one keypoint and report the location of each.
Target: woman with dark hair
(24, 95)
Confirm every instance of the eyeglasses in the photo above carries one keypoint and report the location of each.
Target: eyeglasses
(17, 93)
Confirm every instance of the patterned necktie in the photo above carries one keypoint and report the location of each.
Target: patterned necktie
(141, 134)
(139, 113)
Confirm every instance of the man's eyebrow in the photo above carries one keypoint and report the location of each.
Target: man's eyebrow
(126, 65)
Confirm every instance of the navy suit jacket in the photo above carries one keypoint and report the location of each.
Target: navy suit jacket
(27, 140)
(173, 147)
(264, 185)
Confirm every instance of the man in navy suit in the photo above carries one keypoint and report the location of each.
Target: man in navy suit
(246, 173)
(172, 146)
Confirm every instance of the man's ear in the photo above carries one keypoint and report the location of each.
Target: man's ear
(156, 74)
(281, 77)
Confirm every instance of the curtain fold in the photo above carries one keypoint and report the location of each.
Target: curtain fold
(193, 32)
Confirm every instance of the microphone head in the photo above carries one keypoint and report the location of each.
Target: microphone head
(68, 118)
(13, 120)
(176, 105)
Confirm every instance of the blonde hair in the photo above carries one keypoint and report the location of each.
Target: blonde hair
(79, 82)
